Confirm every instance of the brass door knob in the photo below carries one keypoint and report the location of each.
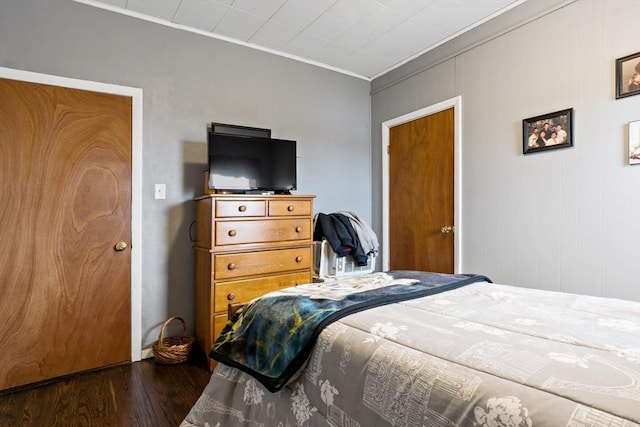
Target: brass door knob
(447, 229)
(120, 246)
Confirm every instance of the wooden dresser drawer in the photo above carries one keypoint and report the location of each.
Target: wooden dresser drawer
(240, 208)
(290, 207)
(274, 230)
(218, 323)
(243, 291)
(228, 266)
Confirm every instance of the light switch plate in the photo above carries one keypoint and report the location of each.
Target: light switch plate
(161, 191)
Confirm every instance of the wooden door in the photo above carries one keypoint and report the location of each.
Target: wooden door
(65, 180)
(421, 190)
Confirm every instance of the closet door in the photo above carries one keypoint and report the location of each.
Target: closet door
(65, 180)
(421, 194)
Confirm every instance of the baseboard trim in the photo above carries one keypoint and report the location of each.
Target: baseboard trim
(146, 353)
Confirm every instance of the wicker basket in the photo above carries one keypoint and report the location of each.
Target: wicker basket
(172, 350)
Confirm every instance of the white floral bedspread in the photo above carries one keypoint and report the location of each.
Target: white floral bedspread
(483, 355)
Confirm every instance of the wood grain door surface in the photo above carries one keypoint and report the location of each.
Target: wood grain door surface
(65, 178)
(421, 189)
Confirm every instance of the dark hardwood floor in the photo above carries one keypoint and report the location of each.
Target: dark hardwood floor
(137, 394)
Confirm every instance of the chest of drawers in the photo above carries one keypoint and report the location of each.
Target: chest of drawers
(246, 246)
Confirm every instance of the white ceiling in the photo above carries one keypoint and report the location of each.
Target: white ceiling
(364, 38)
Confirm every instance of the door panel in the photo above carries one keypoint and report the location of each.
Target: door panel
(421, 189)
(65, 176)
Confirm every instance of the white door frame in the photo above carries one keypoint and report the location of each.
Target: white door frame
(456, 103)
(136, 180)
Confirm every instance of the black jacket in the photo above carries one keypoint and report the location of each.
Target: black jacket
(342, 238)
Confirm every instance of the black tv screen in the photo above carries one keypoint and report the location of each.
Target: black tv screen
(248, 163)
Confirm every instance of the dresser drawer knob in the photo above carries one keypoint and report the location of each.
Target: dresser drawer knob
(231, 297)
(298, 229)
(298, 259)
(290, 208)
(231, 266)
(232, 233)
(242, 208)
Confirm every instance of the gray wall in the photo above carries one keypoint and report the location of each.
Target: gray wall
(189, 80)
(565, 220)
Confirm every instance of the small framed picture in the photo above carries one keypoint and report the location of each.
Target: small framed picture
(547, 132)
(634, 143)
(628, 76)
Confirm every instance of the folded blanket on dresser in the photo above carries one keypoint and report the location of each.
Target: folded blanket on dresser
(272, 337)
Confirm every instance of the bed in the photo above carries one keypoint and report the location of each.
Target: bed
(475, 354)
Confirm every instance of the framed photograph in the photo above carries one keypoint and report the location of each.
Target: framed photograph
(628, 76)
(547, 132)
(634, 143)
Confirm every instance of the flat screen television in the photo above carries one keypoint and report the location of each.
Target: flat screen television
(251, 164)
